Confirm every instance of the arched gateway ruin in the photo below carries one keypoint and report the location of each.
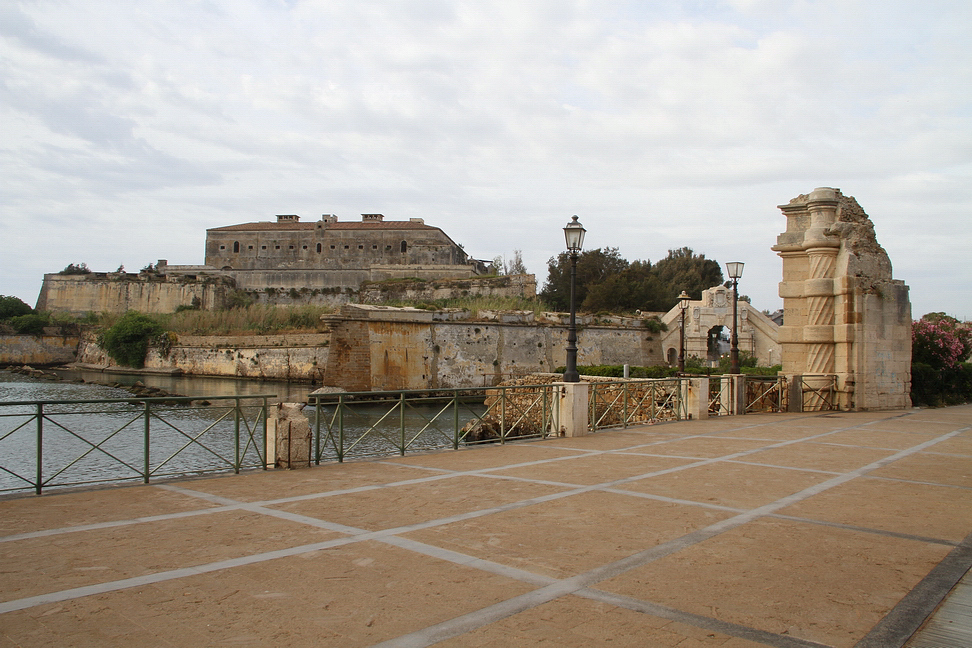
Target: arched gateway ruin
(843, 314)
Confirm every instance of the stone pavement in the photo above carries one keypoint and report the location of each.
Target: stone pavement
(787, 530)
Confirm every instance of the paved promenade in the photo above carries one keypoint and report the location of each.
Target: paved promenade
(786, 530)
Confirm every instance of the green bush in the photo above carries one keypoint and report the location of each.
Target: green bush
(127, 341)
(30, 324)
(11, 306)
(937, 387)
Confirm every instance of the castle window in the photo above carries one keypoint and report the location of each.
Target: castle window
(263, 247)
(374, 247)
(360, 247)
(222, 247)
(404, 247)
(318, 248)
(276, 247)
(387, 247)
(236, 247)
(249, 247)
(332, 247)
(291, 247)
(347, 247)
(305, 247)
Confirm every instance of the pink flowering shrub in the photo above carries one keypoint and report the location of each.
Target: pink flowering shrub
(940, 341)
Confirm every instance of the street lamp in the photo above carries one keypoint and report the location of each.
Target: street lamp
(735, 269)
(574, 233)
(683, 302)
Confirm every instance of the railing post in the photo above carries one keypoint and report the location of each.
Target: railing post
(340, 415)
(455, 419)
(266, 448)
(401, 423)
(147, 445)
(317, 432)
(236, 417)
(38, 485)
(502, 415)
(624, 395)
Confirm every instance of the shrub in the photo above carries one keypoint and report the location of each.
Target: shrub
(30, 324)
(11, 306)
(940, 343)
(127, 341)
(72, 269)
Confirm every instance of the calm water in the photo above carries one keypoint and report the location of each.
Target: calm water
(105, 442)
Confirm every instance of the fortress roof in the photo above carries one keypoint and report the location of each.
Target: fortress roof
(267, 226)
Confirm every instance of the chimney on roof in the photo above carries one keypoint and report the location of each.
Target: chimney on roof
(287, 218)
(328, 218)
(372, 218)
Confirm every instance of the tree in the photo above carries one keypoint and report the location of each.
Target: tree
(11, 306)
(684, 270)
(516, 266)
(606, 282)
(593, 267)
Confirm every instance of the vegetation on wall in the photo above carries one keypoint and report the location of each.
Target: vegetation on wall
(127, 340)
(80, 269)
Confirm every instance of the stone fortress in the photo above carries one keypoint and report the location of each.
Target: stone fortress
(334, 254)
(287, 261)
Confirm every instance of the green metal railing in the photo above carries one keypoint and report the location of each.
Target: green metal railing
(636, 402)
(367, 424)
(59, 443)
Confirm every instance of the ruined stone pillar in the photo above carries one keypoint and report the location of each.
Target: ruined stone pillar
(843, 314)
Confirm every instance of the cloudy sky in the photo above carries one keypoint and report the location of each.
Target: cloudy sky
(128, 128)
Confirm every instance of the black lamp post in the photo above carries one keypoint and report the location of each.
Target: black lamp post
(735, 269)
(683, 302)
(574, 232)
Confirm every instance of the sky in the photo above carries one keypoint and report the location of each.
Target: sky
(129, 128)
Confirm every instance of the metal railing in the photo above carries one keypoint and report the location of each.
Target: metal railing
(819, 392)
(633, 402)
(766, 394)
(368, 424)
(59, 443)
(719, 395)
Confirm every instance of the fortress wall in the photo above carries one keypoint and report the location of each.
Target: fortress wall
(361, 354)
(117, 293)
(372, 349)
(37, 350)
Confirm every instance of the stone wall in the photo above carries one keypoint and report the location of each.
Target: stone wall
(208, 289)
(117, 292)
(407, 349)
(375, 347)
(38, 350)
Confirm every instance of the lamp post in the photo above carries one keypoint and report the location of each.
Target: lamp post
(574, 233)
(735, 269)
(683, 302)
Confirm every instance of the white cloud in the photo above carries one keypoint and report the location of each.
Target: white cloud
(130, 128)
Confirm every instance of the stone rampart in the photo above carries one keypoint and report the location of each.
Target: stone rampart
(387, 348)
(37, 350)
(117, 292)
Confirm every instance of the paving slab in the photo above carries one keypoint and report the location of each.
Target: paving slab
(841, 529)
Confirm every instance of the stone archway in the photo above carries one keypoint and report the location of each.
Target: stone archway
(706, 318)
